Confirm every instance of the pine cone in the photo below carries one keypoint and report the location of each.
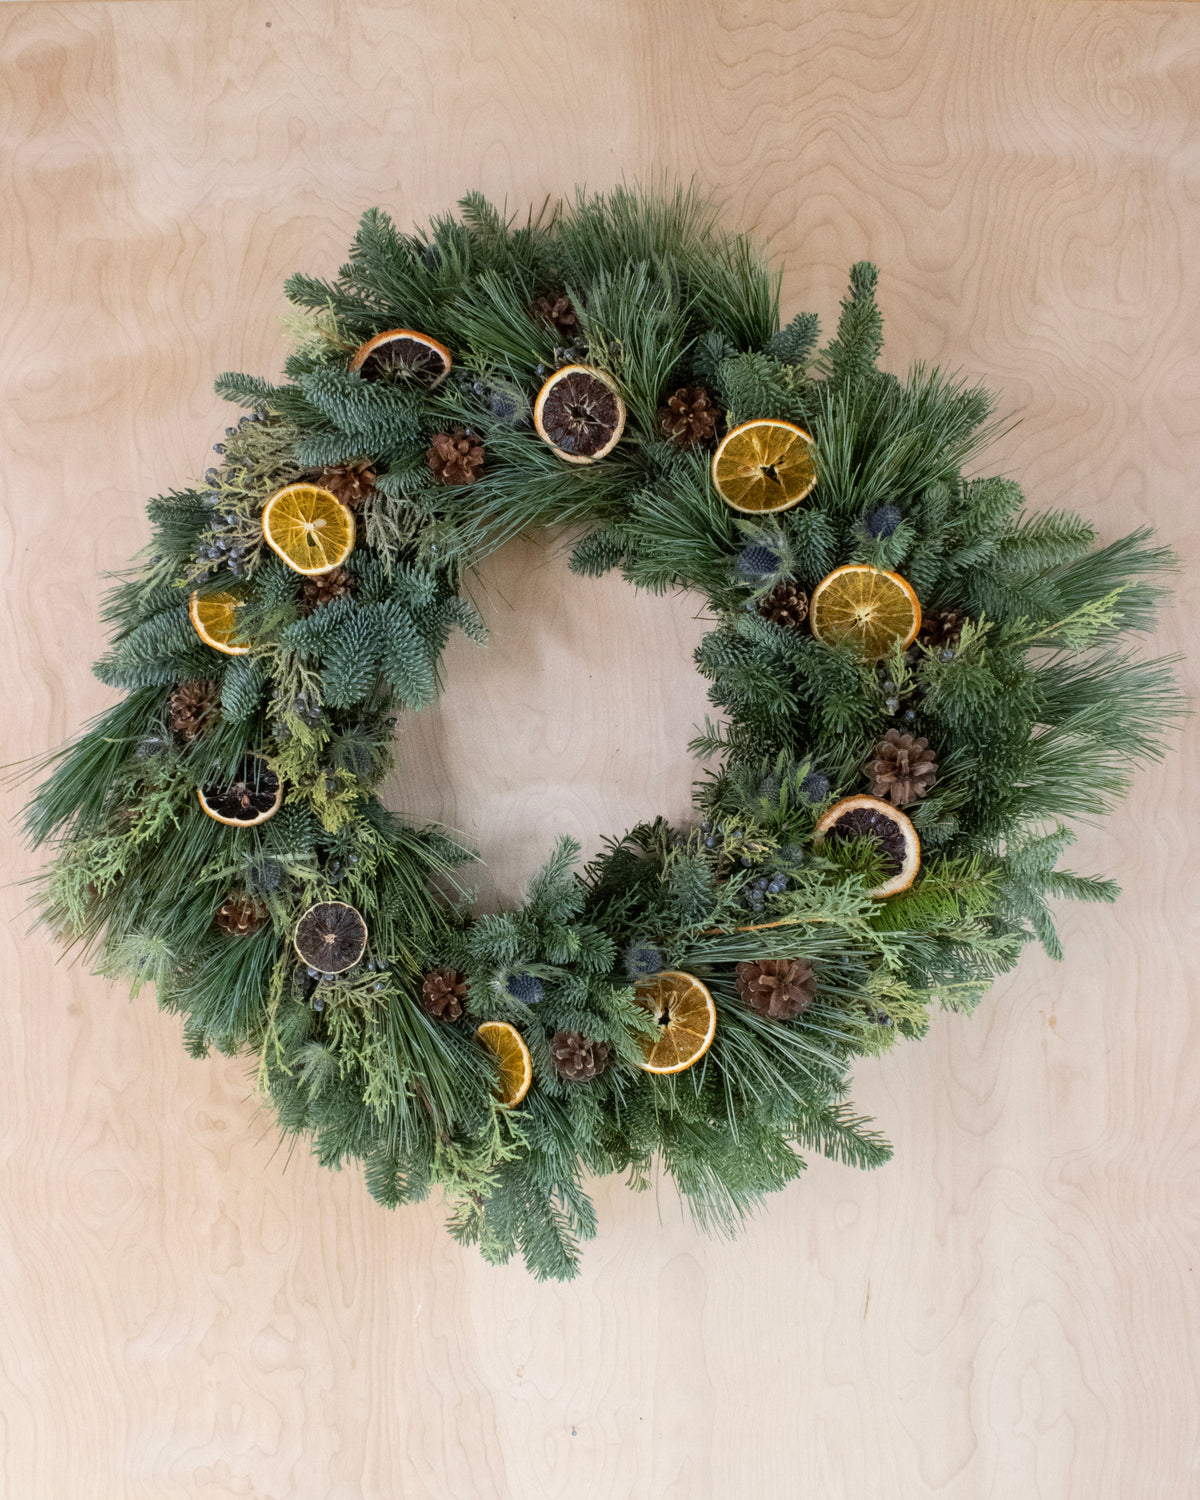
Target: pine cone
(351, 482)
(557, 311)
(786, 605)
(941, 628)
(444, 994)
(902, 769)
(456, 457)
(777, 987)
(324, 588)
(578, 1057)
(194, 708)
(690, 416)
(240, 914)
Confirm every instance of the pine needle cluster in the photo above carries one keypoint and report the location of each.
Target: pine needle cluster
(1038, 707)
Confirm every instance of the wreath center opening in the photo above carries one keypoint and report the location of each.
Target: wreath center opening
(574, 717)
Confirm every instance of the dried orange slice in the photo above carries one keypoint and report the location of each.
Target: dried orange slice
(330, 937)
(254, 795)
(402, 349)
(764, 466)
(516, 1066)
(872, 818)
(863, 607)
(309, 528)
(686, 1017)
(580, 413)
(212, 617)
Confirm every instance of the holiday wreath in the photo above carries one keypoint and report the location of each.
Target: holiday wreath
(920, 684)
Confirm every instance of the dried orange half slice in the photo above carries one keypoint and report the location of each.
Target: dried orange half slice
(764, 466)
(872, 818)
(863, 607)
(212, 617)
(253, 795)
(309, 528)
(580, 413)
(402, 349)
(516, 1066)
(686, 1017)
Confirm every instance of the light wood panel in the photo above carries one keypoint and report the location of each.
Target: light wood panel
(1009, 1308)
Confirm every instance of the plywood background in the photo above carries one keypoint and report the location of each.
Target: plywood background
(1009, 1309)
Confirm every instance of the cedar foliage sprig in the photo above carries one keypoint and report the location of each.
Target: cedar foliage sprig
(1038, 709)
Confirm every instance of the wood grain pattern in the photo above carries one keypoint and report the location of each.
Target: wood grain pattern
(1008, 1309)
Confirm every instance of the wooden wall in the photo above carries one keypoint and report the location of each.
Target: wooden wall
(1007, 1310)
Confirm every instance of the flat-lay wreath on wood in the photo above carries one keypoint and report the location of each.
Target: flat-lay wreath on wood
(920, 686)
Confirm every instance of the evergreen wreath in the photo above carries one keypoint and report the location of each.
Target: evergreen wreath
(921, 686)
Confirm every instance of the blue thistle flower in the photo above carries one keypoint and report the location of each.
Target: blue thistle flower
(882, 523)
(265, 873)
(506, 407)
(643, 959)
(758, 561)
(814, 787)
(527, 988)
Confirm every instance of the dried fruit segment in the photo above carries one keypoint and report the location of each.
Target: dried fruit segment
(309, 528)
(213, 618)
(402, 349)
(887, 827)
(580, 413)
(865, 608)
(330, 937)
(764, 466)
(252, 796)
(516, 1065)
(686, 1017)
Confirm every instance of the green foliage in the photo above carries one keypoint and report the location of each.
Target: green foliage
(1038, 713)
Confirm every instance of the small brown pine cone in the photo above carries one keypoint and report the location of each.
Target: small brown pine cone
(690, 416)
(194, 708)
(324, 588)
(780, 988)
(351, 482)
(941, 628)
(578, 1057)
(902, 769)
(456, 457)
(557, 311)
(444, 994)
(240, 915)
(786, 605)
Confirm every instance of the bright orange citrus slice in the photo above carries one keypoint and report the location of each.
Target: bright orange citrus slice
(863, 607)
(309, 528)
(891, 830)
(403, 349)
(212, 617)
(516, 1066)
(686, 1017)
(764, 466)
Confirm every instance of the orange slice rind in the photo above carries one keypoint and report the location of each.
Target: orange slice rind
(403, 349)
(254, 794)
(686, 1019)
(864, 607)
(516, 1066)
(213, 617)
(330, 937)
(764, 466)
(892, 830)
(580, 413)
(309, 528)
